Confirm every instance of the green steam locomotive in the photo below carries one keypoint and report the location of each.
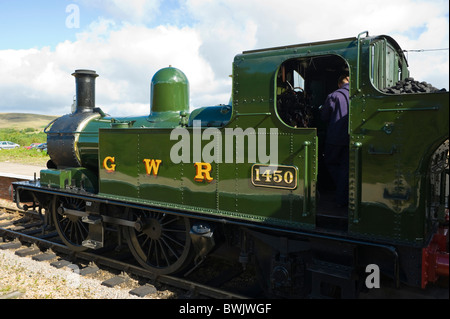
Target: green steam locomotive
(247, 180)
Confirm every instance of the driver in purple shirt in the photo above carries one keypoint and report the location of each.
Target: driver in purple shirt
(335, 112)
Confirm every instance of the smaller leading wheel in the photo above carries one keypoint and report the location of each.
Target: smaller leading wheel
(70, 227)
(163, 244)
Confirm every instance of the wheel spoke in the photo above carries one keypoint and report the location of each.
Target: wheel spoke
(65, 222)
(145, 240)
(149, 247)
(174, 230)
(163, 245)
(170, 248)
(70, 228)
(163, 253)
(157, 254)
(170, 221)
(82, 230)
(173, 239)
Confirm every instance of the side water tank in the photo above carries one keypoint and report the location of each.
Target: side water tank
(169, 91)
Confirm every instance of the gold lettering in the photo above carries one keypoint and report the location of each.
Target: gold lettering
(152, 165)
(203, 171)
(109, 167)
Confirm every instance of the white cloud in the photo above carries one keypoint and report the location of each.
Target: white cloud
(231, 26)
(138, 11)
(126, 47)
(126, 58)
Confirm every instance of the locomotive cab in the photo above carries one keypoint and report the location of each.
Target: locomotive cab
(381, 92)
(302, 86)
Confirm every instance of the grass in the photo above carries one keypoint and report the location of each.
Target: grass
(23, 137)
(23, 156)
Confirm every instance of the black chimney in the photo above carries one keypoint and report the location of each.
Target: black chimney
(85, 90)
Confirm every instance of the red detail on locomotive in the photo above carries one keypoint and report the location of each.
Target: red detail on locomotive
(435, 257)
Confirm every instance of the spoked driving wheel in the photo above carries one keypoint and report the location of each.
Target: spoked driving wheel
(162, 244)
(70, 227)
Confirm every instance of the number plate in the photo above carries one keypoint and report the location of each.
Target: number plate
(274, 176)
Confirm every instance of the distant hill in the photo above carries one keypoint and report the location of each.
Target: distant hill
(25, 120)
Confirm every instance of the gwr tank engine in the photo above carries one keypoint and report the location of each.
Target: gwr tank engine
(249, 176)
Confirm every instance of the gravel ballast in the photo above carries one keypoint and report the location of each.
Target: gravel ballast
(24, 278)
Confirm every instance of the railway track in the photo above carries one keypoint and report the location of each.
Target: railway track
(27, 233)
(24, 232)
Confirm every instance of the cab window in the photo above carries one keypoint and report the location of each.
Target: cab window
(302, 86)
(387, 66)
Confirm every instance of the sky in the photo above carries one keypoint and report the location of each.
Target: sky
(126, 42)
